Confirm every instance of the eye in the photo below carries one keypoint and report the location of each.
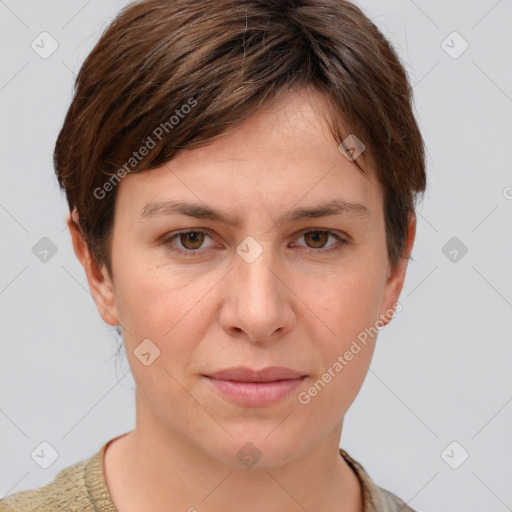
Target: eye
(317, 239)
(190, 241)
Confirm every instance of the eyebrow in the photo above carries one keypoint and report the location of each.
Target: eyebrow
(170, 207)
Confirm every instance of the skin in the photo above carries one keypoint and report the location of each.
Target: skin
(213, 310)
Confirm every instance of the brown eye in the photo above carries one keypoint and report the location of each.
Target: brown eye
(317, 238)
(192, 239)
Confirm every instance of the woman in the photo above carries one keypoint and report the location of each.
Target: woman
(241, 178)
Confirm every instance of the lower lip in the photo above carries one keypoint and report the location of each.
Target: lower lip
(256, 394)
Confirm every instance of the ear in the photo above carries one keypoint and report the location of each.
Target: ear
(100, 282)
(396, 277)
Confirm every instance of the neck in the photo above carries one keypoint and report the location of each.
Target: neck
(154, 468)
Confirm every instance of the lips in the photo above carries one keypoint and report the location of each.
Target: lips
(245, 374)
(255, 388)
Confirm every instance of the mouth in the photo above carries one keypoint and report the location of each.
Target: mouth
(244, 374)
(255, 388)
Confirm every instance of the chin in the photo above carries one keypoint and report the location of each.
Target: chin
(254, 449)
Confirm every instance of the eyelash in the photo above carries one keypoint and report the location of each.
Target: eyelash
(167, 240)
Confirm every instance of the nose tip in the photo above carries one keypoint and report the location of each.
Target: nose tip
(258, 305)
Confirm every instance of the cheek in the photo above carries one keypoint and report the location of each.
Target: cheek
(172, 312)
(349, 306)
(162, 304)
(330, 394)
(348, 302)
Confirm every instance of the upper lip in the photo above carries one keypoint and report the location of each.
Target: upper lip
(245, 374)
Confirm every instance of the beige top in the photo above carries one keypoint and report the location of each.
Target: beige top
(82, 488)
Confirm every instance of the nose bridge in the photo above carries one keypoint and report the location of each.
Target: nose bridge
(260, 307)
(253, 270)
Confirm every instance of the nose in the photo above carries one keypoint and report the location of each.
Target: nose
(258, 302)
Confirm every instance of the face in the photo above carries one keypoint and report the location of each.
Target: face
(244, 276)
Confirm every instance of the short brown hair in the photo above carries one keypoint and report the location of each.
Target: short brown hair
(224, 60)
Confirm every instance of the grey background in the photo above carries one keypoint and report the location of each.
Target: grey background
(441, 371)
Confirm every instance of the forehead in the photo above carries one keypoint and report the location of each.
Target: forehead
(282, 156)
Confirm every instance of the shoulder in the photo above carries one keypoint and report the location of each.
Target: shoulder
(375, 498)
(389, 502)
(67, 492)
